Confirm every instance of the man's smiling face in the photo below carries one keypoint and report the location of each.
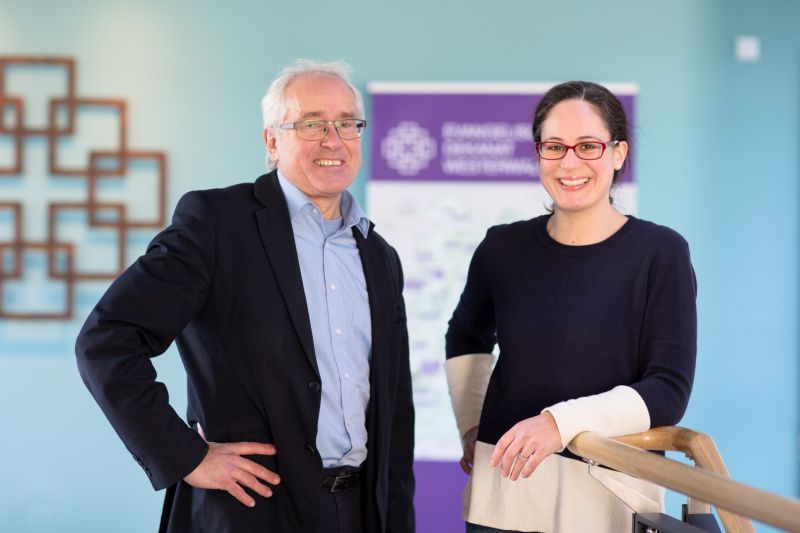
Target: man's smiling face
(322, 169)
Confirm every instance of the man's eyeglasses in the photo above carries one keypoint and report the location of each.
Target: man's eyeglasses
(585, 150)
(315, 130)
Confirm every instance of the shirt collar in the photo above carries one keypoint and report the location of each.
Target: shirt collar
(352, 214)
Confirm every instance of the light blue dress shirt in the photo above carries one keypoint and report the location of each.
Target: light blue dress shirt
(338, 308)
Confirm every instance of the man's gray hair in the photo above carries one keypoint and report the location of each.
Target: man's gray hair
(273, 104)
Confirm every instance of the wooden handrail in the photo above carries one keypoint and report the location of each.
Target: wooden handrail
(701, 449)
(713, 487)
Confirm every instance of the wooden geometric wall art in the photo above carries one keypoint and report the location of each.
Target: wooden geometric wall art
(114, 217)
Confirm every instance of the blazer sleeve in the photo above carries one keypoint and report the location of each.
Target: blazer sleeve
(400, 514)
(139, 316)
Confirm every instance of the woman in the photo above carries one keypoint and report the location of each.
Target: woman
(594, 314)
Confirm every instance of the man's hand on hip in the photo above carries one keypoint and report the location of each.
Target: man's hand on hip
(224, 468)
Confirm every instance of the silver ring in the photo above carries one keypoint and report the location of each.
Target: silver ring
(523, 455)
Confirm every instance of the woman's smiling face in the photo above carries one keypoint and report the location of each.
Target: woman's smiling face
(577, 184)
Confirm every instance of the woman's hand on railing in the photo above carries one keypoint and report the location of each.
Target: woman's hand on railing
(526, 445)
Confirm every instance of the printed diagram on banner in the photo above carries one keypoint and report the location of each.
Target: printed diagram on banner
(447, 162)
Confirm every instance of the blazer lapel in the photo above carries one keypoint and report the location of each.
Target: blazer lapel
(381, 307)
(277, 237)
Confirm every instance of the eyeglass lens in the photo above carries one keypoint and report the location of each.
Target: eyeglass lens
(587, 150)
(314, 130)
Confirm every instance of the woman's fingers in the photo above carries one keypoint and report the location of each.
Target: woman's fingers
(532, 463)
(466, 465)
(522, 448)
(520, 462)
(502, 445)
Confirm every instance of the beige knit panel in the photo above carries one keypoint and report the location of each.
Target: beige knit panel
(560, 497)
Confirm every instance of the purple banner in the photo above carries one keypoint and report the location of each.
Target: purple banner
(419, 136)
(437, 500)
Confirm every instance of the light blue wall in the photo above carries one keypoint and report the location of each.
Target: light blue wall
(717, 160)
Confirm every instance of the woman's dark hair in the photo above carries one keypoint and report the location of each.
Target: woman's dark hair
(607, 105)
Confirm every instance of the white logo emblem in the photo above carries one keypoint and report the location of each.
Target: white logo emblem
(408, 148)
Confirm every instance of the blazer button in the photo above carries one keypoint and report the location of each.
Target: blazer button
(313, 386)
(310, 449)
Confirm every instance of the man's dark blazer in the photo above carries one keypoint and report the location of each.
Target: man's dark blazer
(224, 282)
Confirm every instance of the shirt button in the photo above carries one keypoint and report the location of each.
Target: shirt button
(333, 286)
(338, 331)
(346, 375)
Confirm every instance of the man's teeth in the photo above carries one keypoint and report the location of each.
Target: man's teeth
(572, 183)
(328, 162)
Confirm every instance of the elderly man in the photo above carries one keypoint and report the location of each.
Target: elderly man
(287, 309)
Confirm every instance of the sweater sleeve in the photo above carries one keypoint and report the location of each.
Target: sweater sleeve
(472, 327)
(620, 411)
(467, 379)
(668, 346)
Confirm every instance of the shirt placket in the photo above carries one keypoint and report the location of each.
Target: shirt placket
(340, 328)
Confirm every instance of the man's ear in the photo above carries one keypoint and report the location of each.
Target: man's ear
(271, 142)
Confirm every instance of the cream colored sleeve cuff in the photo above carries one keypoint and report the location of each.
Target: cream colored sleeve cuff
(620, 411)
(467, 378)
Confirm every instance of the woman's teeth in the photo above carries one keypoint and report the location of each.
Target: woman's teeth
(573, 182)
